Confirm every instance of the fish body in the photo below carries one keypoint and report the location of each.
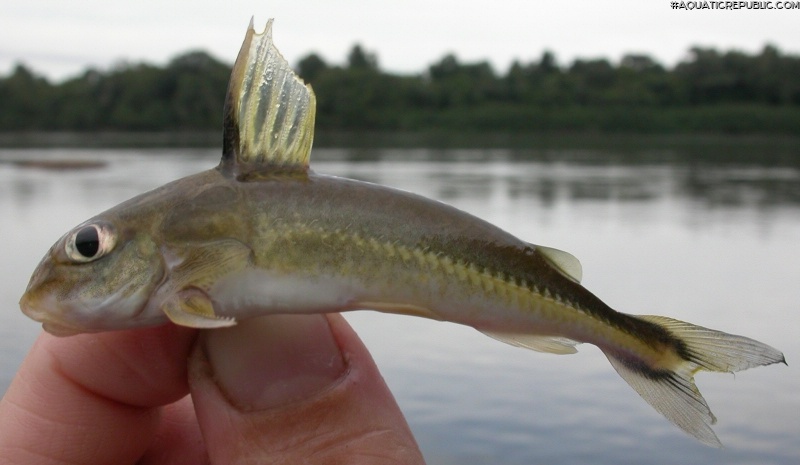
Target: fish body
(262, 233)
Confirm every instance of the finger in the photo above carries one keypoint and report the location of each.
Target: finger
(91, 399)
(295, 389)
(178, 440)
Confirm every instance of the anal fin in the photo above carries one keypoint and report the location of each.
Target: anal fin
(549, 344)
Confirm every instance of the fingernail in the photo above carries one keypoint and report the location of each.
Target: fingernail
(271, 361)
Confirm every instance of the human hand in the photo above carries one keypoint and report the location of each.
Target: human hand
(298, 389)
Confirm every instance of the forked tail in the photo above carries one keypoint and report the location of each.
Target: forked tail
(671, 389)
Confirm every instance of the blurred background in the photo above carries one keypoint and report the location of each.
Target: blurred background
(658, 145)
(512, 66)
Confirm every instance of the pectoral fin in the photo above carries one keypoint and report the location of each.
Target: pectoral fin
(187, 301)
(194, 309)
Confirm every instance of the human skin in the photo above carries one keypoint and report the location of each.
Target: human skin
(280, 389)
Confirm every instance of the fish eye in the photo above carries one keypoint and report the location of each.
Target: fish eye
(90, 242)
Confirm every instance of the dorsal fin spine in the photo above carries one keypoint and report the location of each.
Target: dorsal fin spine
(269, 112)
(230, 124)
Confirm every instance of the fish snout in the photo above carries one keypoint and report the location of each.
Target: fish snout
(40, 306)
(27, 306)
(32, 306)
(34, 302)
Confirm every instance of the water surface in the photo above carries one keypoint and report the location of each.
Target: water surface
(705, 240)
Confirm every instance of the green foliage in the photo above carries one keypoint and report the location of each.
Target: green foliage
(311, 67)
(711, 91)
(186, 94)
(26, 99)
(360, 59)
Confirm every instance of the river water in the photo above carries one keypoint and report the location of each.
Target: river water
(706, 239)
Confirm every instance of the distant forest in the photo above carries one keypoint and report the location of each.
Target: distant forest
(709, 92)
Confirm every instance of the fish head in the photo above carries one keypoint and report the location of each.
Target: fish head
(98, 276)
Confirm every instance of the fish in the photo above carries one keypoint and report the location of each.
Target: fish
(262, 233)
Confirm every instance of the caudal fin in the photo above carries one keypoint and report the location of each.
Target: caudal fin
(671, 390)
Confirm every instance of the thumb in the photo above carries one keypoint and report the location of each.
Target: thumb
(295, 389)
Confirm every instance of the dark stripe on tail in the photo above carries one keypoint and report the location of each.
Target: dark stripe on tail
(671, 390)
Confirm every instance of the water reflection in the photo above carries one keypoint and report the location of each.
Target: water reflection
(754, 187)
(704, 195)
(655, 233)
(595, 175)
(568, 175)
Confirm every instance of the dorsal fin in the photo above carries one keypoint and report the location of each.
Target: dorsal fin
(564, 262)
(269, 112)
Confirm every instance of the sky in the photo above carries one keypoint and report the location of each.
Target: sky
(60, 39)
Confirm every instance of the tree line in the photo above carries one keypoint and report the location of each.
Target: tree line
(709, 91)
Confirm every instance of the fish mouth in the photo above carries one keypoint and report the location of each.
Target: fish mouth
(36, 313)
(60, 330)
(33, 309)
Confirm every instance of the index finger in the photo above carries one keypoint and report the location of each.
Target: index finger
(93, 398)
